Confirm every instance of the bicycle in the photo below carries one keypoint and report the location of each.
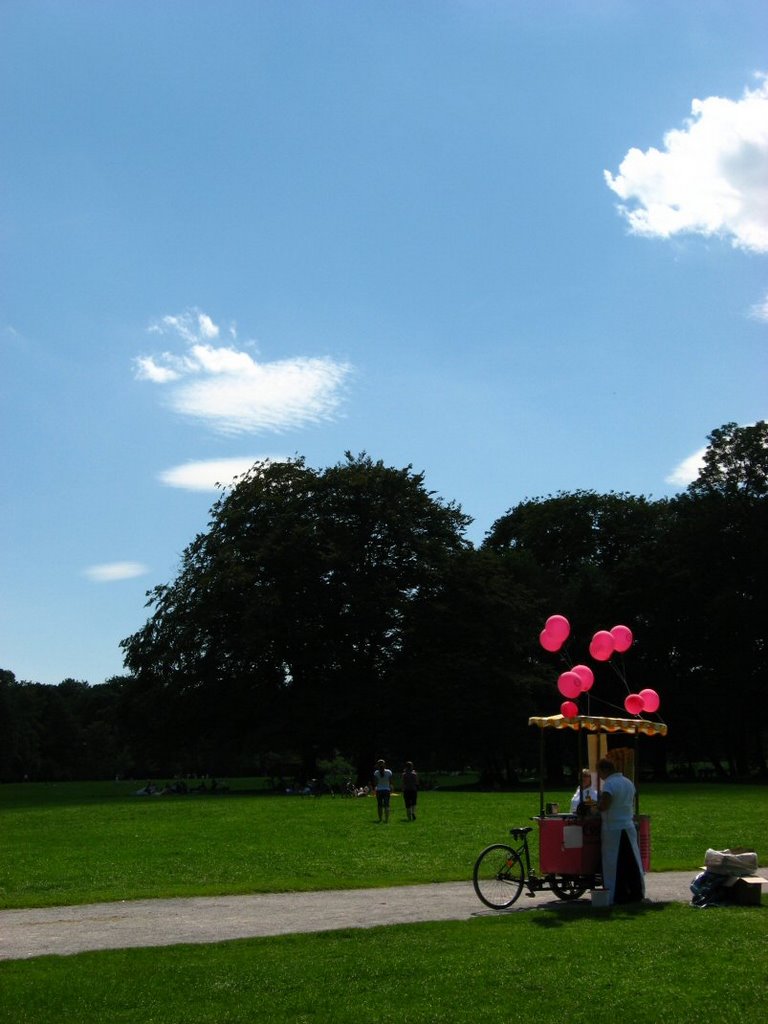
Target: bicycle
(501, 873)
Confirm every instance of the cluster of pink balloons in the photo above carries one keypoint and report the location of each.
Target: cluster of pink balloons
(646, 700)
(580, 678)
(607, 641)
(572, 684)
(556, 631)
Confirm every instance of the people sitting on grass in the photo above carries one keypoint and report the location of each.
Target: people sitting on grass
(176, 788)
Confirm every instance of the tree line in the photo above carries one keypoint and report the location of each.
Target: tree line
(343, 613)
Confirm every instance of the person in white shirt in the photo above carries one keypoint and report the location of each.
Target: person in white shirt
(382, 783)
(586, 793)
(622, 865)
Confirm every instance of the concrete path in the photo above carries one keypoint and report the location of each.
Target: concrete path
(68, 930)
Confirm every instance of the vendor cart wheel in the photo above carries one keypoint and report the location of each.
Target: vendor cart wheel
(567, 887)
(498, 877)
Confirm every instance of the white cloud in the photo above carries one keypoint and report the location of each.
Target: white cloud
(710, 179)
(228, 388)
(111, 571)
(190, 325)
(148, 369)
(688, 470)
(760, 310)
(204, 476)
(208, 328)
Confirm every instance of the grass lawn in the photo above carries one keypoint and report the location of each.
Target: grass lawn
(651, 965)
(95, 842)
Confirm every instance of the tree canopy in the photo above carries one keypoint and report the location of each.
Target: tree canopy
(291, 610)
(735, 462)
(341, 613)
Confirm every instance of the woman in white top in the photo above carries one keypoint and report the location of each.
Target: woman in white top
(585, 792)
(382, 783)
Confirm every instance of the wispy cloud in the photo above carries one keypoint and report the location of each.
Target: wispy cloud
(760, 310)
(210, 475)
(109, 572)
(687, 471)
(226, 387)
(711, 178)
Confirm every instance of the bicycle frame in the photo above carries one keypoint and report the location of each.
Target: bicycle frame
(523, 851)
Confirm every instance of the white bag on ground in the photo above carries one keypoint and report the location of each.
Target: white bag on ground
(731, 862)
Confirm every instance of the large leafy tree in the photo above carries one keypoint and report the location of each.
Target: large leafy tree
(735, 462)
(709, 625)
(590, 553)
(289, 612)
(688, 574)
(591, 557)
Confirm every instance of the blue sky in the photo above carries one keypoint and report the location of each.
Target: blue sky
(522, 246)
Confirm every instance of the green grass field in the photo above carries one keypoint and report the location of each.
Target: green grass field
(78, 843)
(661, 965)
(91, 842)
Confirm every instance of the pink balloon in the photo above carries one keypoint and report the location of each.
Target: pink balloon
(568, 709)
(586, 675)
(634, 704)
(569, 684)
(559, 627)
(622, 638)
(602, 645)
(651, 700)
(548, 642)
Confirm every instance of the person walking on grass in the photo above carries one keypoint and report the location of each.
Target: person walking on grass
(410, 787)
(382, 784)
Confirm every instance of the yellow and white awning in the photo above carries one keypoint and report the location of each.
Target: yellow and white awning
(599, 724)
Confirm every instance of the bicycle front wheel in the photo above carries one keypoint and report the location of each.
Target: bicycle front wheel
(498, 877)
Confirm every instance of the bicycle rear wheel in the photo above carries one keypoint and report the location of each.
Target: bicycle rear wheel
(498, 877)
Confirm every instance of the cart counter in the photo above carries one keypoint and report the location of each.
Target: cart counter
(571, 846)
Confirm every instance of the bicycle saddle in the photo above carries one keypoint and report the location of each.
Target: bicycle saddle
(518, 833)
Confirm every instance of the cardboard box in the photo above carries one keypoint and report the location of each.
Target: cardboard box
(747, 891)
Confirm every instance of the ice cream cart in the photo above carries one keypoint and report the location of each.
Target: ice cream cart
(569, 843)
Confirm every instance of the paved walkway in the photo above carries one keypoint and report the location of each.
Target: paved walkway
(68, 930)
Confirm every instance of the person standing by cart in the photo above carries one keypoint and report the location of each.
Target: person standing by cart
(410, 786)
(586, 794)
(622, 866)
(382, 784)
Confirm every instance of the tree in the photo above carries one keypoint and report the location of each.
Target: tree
(735, 462)
(288, 614)
(590, 555)
(710, 621)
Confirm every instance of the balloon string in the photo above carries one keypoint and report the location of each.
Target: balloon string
(616, 707)
(620, 673)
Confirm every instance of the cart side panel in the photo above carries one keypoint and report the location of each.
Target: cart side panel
(569, 846)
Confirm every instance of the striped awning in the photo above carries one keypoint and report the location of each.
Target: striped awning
(594, 724)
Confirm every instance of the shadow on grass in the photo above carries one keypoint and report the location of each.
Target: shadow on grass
(554, 916)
